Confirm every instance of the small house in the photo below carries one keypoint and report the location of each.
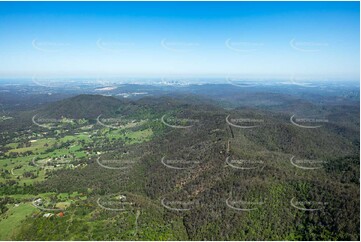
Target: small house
(48, 215)
(38, 202)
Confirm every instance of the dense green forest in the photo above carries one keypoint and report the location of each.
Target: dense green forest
(92, 167)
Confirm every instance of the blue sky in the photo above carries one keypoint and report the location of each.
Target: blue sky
(258, 39)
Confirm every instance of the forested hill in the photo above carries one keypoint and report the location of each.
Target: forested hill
(197, 171)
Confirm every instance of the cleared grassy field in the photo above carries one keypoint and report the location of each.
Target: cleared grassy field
(130, 137)
(37, 146)
(19, 166)
(11, 220)
(139, 136)
(11, 163)
(14, 216)
(77, 137)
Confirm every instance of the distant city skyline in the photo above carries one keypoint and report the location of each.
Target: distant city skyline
(301, 40)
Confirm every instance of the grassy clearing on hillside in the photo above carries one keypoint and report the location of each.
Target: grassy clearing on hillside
(37, 146)
(130, 137)
(10, 222)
